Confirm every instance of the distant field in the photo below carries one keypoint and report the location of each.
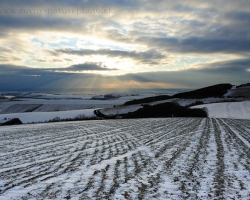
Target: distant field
(233, 110)
(172, 158)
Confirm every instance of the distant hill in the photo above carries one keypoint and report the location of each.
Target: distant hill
(148, 100)
(243, 85)
(242, 91)
(211, 91)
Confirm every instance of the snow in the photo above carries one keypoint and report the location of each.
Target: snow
(33, 117)
(233, 110)
(171, 158)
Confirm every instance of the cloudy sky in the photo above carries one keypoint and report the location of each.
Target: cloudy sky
(123, 43)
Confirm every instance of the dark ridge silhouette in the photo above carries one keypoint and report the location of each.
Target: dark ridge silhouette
(14, 121)
(106, 97)
(148, 100)
(165, 110)
(195, 104)
(211, 91)
(243, 85)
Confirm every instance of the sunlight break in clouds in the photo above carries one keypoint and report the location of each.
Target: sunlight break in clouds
(119, 39)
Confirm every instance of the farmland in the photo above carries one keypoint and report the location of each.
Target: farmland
(171, 158)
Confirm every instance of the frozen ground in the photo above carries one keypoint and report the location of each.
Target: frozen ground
(234, 110)
(174, 158)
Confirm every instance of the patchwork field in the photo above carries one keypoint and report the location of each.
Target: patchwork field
(172, 158)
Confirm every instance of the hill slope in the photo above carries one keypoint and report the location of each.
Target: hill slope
(148, 100)
(211, 91)
(207, 92)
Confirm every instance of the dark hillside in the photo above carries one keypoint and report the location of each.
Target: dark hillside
(14, 121)
(165, 110)
(211, 91)
(147, 100)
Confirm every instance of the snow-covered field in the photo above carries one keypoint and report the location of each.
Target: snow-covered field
(173, 158)
(234, 110)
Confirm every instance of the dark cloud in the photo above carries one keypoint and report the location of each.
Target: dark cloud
(229, 66)
(23, 70)
(39, 60)
(48, 61)
(13, 69)
(72, 3)
(37, 23)
(147, 57)
(198, 45)
(88, 66)
(232, 71)
(238, 16)
(67, 59)
(21, 77)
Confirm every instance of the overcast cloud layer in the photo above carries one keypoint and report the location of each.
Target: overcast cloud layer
(108, 43)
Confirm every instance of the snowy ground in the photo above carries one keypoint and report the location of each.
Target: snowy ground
(174, 158)
(234, 110)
